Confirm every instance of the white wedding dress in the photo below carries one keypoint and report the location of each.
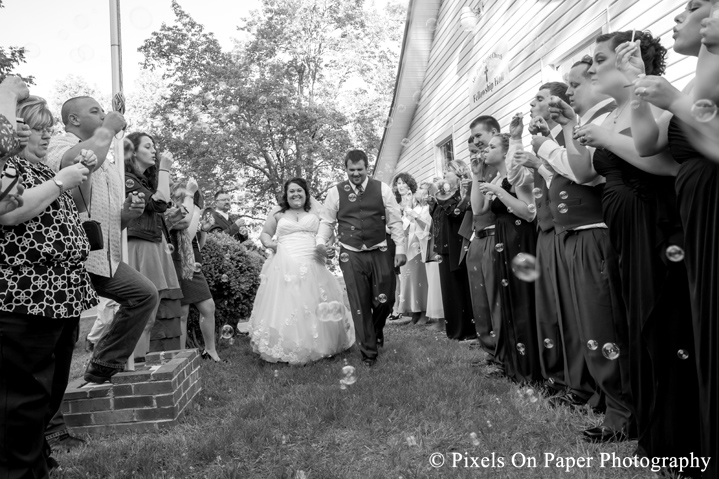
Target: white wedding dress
(301, 312)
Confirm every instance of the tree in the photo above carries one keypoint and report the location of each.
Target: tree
(10, 58)
(314, 78)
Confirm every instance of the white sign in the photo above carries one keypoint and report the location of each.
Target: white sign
(490, 74)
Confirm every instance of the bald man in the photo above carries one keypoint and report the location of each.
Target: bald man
(87, 127)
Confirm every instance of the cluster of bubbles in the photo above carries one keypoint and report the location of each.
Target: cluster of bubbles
(475, 440)
(529, 394)
(411, 441)
(704, 111)
(332, 311)
(349, 375)
(609, 350)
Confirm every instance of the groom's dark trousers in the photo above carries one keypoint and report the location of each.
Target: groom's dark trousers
(370, 279)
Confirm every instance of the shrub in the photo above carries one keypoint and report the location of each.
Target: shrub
(232, 270)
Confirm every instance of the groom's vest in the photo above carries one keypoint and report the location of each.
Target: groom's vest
(361, 222)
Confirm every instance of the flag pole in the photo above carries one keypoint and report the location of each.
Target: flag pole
(118, 149)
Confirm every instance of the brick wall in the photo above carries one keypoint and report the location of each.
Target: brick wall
(147, 399)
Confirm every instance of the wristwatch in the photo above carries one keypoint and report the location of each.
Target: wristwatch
(59, 185)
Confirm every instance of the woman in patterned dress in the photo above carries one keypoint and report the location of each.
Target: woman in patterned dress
(43, 290)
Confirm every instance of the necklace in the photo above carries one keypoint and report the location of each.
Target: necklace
(618, 112)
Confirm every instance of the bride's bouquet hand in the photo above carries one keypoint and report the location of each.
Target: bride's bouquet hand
(321, 253)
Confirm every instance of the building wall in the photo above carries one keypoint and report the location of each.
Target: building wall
(543, 36)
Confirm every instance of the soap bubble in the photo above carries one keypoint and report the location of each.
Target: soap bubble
(405, 142)
(524, 267)
(344, 257)
(675, 253)
(562, 208)
(521, 348)
(505, 282)
(563, 195)
(352, 197)
(592, 345)
(704, 111)
(610, 351)
(431, 24)
(140, 18)
(224, 278)
(474, 438)
(227, 332)
(682, 354)
(537, 192)
(548, 343)
(499, 247)
(382, 298)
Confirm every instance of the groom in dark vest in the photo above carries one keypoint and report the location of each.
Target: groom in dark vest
(363, 208)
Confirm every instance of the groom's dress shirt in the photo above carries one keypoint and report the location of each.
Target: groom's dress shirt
(328, 218)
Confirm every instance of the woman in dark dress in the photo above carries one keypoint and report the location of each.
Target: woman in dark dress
(516, 236)
(447, 210)
(697, 190)
(639, 208)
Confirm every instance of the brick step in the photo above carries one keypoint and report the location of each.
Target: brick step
(147, 399)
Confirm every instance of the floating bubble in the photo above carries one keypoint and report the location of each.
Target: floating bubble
(347, 188)
(303, 270)
(262, 100)
(562, 208)
(505, 282)
(31, 50)
(233, 109)
(344, 257)
(457, 211)
(382, 298)
(169, 249)
(431, 24)
(411, 441)
(510, 210)
(521, 348)
(592, 345)
(227, 256)
(140, 18)
(491, 333)
(417, 96)
(532, 208)
(343, 386)
(636, 104)
(489, 423)
(563, 195)
(675, 253)
(62, 35)
(388, 122)
(438, 258)
(499, 247)
(383, 248)
(405, 142)
(474, 438)
(198, 267)
(349, 374)
(518, 222)
(682, 354)
(227, 332)
(524, 267)
(610, 351)
(277, 373)
(548, 343)
(224, 278)
(704, 110)
(288, 278)
(352, 197)
(81, 22)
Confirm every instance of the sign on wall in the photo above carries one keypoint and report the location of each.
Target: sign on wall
(489, 74)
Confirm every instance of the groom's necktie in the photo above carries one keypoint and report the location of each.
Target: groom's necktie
(360, 190)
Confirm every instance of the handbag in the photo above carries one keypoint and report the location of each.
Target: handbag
(93, 229)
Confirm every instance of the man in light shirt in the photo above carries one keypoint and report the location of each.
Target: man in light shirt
(593, 313)
(362, 208)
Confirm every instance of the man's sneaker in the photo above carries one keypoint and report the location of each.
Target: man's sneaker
(65, 442)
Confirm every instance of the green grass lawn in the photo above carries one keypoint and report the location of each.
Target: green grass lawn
(258, 420)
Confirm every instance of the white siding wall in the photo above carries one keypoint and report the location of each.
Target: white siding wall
(538, 32)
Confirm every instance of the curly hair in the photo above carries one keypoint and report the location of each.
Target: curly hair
(150, 174)
(408, 180)
(653, 53)
(285, 204)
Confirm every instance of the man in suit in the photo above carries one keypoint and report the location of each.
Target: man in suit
(220, 218)
(591, 307)
(362, 208)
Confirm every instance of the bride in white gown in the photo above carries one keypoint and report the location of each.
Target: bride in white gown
(300, 312)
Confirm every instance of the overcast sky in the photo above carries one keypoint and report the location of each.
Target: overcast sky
(73, 36)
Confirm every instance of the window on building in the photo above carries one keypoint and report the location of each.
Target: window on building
(446, 151)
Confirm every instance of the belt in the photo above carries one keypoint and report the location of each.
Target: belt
(485, 233)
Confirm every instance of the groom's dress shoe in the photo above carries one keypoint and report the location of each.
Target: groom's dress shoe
(604, 434)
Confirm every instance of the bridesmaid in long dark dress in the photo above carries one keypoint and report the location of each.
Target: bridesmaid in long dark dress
(516, 234)
(697, 190)
(639, 208)
(448, 210)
